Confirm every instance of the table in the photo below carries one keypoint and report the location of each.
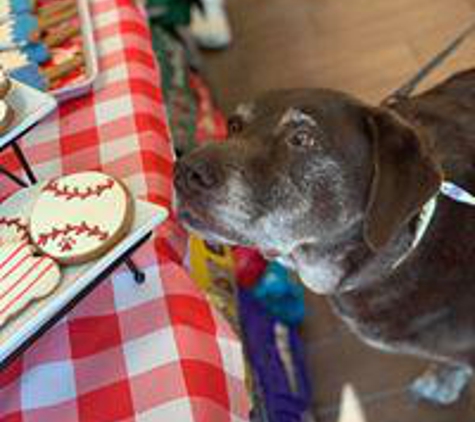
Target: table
(126, 353)
(77, 281)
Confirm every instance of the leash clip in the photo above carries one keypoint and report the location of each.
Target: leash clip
(456, 193)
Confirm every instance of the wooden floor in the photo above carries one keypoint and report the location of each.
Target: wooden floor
(366, 47)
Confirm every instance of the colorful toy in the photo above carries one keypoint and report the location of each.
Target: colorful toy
(281, 296)
(249, 266)
(212, 268)
(276, 353)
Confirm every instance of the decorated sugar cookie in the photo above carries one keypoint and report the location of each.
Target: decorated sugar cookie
(5, 83)
(7, 116)
(14, 218)
(79, 217)
(13, 228)
(24, 278)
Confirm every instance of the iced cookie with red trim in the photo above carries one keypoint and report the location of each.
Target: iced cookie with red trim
(78, 218)
(24, 278)
(7, 117)
(13, 228)
(14, 216)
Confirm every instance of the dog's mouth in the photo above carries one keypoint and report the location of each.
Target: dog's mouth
(337, 270)
(196, 219)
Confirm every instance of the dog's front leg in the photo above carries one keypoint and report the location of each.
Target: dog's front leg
(442, 384)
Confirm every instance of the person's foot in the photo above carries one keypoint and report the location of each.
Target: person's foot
(210, 26)
(442, 385)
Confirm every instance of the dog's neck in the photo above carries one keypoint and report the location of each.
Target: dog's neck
(308, 262)
(447, 189)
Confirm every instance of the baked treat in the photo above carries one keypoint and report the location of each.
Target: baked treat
(14, 218)
(5, 84)
(24, 278)
(13, 228)
(79, 217)
(7, 117)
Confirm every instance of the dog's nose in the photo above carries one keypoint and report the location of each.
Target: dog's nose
(196, 176)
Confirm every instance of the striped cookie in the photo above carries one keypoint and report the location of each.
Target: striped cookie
(24, 278)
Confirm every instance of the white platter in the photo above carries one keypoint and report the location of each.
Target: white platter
(30, 105)
(90, 55)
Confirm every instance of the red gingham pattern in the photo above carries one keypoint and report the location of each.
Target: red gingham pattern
(127, 352)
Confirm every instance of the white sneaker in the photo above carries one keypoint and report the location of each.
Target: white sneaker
(211, 27)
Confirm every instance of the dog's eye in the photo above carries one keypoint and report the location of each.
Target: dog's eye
(235, 125)
(303, 138)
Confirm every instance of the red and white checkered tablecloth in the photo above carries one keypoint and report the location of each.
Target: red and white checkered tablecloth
(154, 352)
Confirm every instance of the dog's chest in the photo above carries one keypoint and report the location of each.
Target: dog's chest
(373, 318)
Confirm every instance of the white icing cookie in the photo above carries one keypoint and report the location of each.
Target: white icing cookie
(24, 278)
(7, 116)
(13, 228)
(5, 83)
(3, 110)
(12, 59)
(81, 216)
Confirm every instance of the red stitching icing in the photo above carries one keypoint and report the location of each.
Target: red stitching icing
(16, 223)
(70, 193)
(68, 233)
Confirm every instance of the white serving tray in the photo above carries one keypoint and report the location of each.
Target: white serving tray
(30, 105)
(76, 278)
(90, 55)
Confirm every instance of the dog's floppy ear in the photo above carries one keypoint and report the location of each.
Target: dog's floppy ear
(405, 176)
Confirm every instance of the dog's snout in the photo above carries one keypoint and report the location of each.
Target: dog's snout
(196, 176)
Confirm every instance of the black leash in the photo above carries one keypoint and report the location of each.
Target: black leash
(407, 89)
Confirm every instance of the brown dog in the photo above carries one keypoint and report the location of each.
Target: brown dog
(338, 188)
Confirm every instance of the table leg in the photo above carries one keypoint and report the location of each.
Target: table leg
(13, 177)
(139, 276)
(24, 162)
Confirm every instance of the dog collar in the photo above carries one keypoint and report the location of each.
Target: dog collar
(456, 193)
(449, 190)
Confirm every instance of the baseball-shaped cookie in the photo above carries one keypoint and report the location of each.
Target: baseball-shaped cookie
(79, 217)
(7, 116)
(24, 278)
(5, 83)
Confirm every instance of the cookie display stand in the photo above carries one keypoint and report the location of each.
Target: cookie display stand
(31, 106)
(77, 281)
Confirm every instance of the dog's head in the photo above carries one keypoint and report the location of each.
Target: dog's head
(314, 175)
